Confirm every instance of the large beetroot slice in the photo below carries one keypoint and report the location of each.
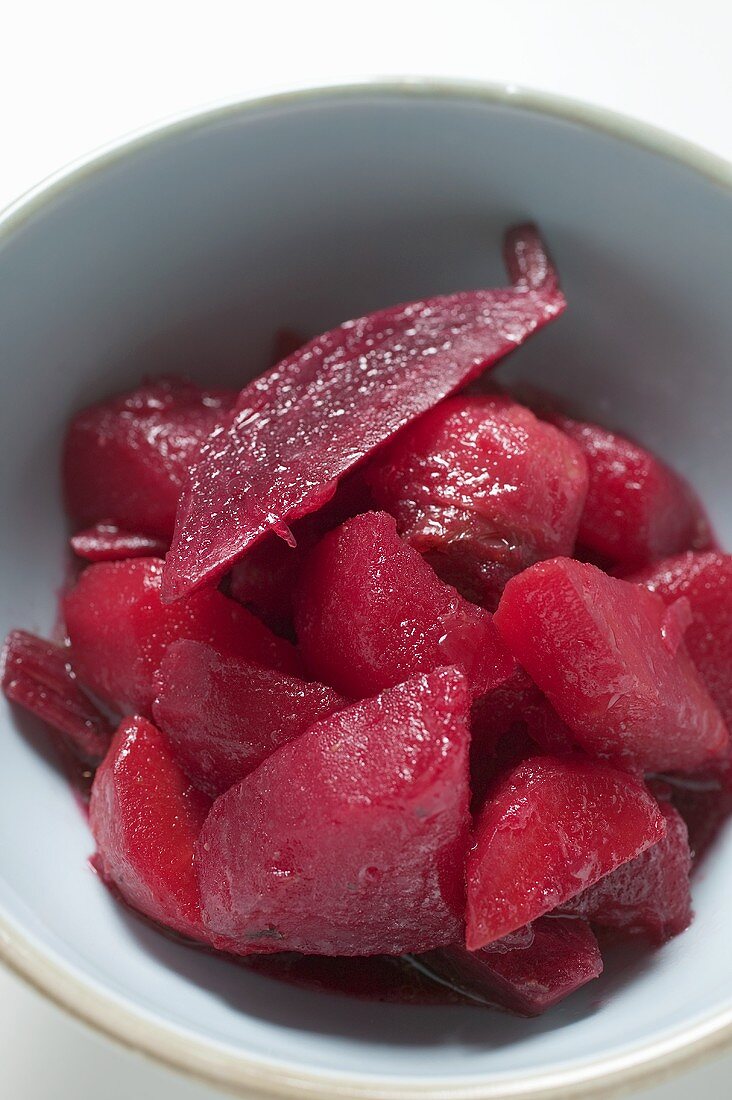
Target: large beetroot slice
(370, 612)
(305, 423)
(351, 839)
(548, 830)
(119, 630)
(611, 659)
(526, 972)
(484, 489)
(223, 715)
(145, 816)
(648, 896)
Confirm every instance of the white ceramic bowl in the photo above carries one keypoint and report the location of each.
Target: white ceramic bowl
(183, 250)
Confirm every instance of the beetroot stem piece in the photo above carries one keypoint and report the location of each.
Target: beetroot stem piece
(301, 426)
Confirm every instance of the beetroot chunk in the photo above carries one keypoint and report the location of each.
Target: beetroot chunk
(351, 839)
(548, 830)
(305, 423)
(370, 612)
(119, 630)
(125, 460)
(483, 488)
(611, 659)
(650, 895)
(520, 973)
(223, 715)
(637, 509)
(108, 542)
(36, 675)
(145, 816)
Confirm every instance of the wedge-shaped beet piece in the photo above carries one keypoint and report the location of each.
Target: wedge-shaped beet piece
(119, 630)
(651, 894)
(224, 715)
(370, 612)
(483, 488)
(637, 508)
(611, 659)
(351, 839)
(525, 974)
(304, 424)
(548, 830)
(36, 675)
(146, 816)
(108, 542)
(125, 460)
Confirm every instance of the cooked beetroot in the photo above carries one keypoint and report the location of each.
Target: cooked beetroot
(484, 488)
(651, 894)
(611, 660)
(223, 715)
(108, 542)
(145, 816)
(370, 612)
(522, 974)
(637, 509)
(304, 424)
(119, 630)
(125, 459)
(548, 830)
(351, 839)
(36, 675)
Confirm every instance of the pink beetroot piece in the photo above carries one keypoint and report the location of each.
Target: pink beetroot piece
(145, 815)
(611, 660)
(548, 830)
(370, 612)
(108, 542)
(484, 489)
(349, 840)
(304, 424)
(119, 630)
(223, 715)
(125, 459)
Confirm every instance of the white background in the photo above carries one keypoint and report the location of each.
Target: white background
(74, 75)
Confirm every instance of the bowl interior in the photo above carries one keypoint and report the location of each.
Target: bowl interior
(185, 254)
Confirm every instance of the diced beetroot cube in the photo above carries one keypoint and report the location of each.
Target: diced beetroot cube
(650, 894)
(611, 660)
(119, 630)
(525, 975)
(125, 459)
(481, 482)
(36, 675)
(370, 612)
(145, 816)
(547, 831)
(223, 715)
(349, 840)
(108, 542)
(299, 428)
(637, 508)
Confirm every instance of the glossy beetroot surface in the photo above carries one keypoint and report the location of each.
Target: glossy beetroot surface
(108, 542)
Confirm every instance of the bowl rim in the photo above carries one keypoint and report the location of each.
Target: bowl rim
(239, 1072)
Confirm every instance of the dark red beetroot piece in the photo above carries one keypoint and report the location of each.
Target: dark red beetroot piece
(119, 630)
(610, 658)
(222, 715)
(522, 974)
(651, 894)
(145, 816)
(351, 839)
(637, 508)
(484, 489)
(125, 459)
(107, 542)
(36, 676)
(309, 420)
(548, 830)
(370, 612)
